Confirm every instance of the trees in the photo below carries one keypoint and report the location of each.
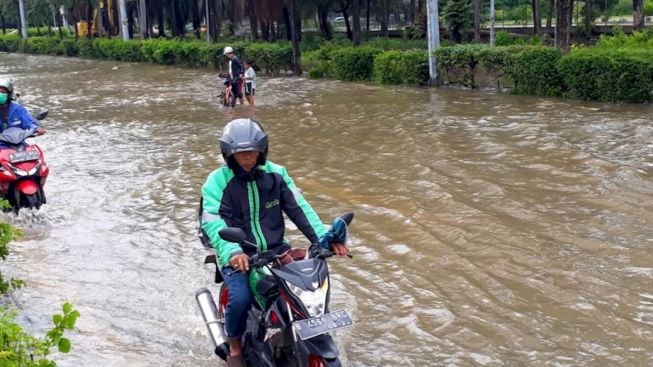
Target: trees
(564, 13)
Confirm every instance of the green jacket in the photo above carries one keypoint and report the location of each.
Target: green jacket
(255, 203)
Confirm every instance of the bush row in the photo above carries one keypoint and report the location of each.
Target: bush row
(368, 63)
(598, 73)
(271, 57)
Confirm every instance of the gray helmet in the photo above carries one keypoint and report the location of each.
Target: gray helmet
(9, 86)
(243, 135)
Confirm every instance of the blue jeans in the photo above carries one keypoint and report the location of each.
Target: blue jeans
(240, 300)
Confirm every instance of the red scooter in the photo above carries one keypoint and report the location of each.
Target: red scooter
(23, 170)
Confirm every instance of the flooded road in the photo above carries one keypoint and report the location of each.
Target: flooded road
(490, 230)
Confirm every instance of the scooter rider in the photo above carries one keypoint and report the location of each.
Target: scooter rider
(251, 193)
(235, 73)
(12, 113)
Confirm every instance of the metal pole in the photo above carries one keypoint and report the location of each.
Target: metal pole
(491, 22)
(62, 11)
(208, 27)
(433, 33)
(23, 19)
(123, 20)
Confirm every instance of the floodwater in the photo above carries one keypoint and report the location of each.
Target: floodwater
(490, 230)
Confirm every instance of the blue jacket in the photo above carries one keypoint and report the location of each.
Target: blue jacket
(18, 117)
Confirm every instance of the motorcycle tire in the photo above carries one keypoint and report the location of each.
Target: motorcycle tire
(33, 201)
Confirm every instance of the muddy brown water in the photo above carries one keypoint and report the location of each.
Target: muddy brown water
(490, 230)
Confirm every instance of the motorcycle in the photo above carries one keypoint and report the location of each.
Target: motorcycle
(290, 322)
(23, 170)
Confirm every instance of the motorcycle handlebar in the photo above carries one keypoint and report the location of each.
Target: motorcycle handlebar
(262, 259)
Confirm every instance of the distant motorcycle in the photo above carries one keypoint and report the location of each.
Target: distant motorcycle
(23, 170)
(290, 322)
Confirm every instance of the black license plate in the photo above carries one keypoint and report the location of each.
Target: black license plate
(28, 155)
(326, 323)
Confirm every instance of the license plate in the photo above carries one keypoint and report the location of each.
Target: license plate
(28, 155)
(326, 323)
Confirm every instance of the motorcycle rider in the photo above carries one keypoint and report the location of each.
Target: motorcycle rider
(251, 193)
(12, 113)
(235, 73)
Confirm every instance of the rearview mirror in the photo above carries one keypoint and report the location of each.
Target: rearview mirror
(42, 115)
(233, 234)
(347, 217)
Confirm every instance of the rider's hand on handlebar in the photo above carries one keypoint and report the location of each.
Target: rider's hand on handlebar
(340, 249)
(239, 262)
(40, 131)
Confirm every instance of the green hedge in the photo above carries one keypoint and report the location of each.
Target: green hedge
(535, 70)
(397, 67)
(354, 63)
(614, 71)
(272, 57)
(608, 75)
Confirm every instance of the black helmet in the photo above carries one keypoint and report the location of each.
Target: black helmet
(243, 135)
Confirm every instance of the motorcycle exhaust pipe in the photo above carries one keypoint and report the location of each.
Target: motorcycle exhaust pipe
(209, 311)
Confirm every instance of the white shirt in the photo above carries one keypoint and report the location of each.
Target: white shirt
(250, 73)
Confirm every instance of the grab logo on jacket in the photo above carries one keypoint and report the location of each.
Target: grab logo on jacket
(272, 204)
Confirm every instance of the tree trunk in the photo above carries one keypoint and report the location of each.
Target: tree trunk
(564, 16)
(100, 18)
(286, 21)
(296, 34)
(215, 15)
(131, 8)
(411, 12)
(549, 19)
(367, 16)
(385, 19)
(588, 19)
(325, 25)
(197, 18)
(537, 17)
(477, 20)
(638, 14)
(89, 18)
(4, 24)
(356, 14)
(265, 31)
(142, 19)
(161, 21)
(253, 22)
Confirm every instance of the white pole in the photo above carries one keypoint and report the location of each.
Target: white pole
(123, 20)
(433, 33)
(208, 27)
(23, 19)
(62, 11)
(491, 22)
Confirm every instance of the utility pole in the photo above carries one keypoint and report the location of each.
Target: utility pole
(433, 31)
(491, 22)
(23, 19)
(62, 11)
(208, 28)
(123, 20)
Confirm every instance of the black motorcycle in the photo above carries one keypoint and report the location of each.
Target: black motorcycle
(290, 322)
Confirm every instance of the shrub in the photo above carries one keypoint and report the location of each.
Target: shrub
(354, 63)
(534, 70)
(609, 75)
(458, 63)
(397, 67)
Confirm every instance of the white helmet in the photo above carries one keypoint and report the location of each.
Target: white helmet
(228, 50)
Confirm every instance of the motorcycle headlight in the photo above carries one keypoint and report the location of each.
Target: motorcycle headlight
(315, 302)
